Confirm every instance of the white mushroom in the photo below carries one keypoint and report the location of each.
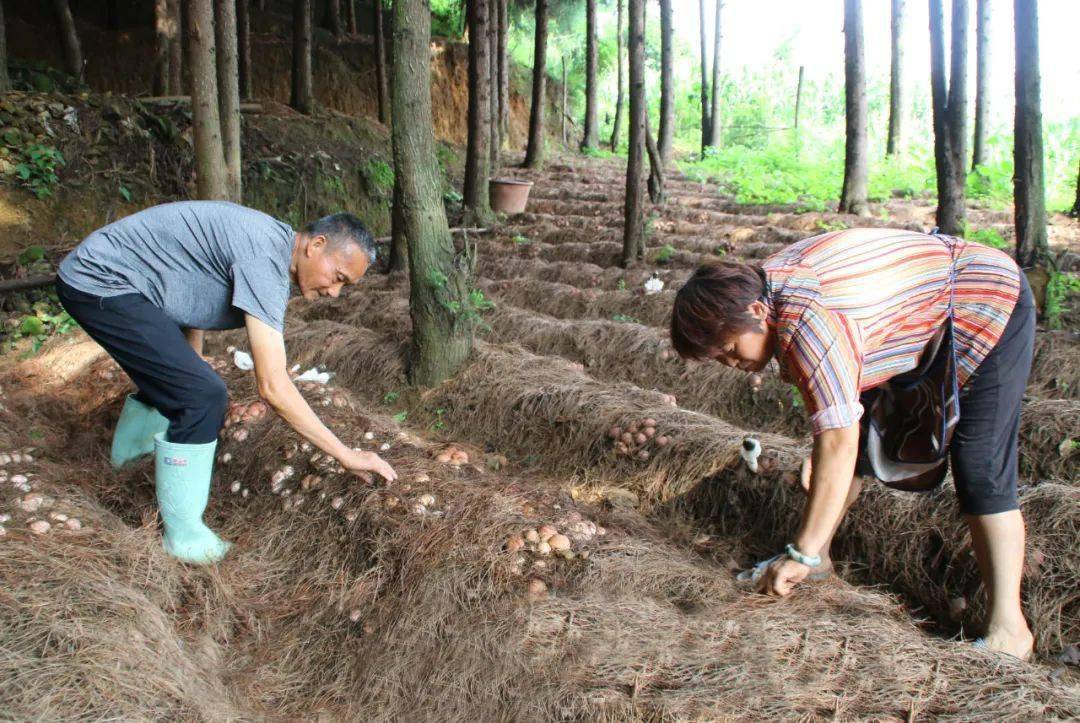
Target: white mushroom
(750, 451)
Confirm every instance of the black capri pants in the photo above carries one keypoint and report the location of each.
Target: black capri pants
(983, 451)
(152, 349)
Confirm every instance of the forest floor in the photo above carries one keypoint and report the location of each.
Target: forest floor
(430, 598)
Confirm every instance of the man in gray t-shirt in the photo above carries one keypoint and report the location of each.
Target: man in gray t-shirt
(147, 286)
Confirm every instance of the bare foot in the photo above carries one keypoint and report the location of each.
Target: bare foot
(1017, 642)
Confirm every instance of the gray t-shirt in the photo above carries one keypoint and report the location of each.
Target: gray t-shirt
(204, 263)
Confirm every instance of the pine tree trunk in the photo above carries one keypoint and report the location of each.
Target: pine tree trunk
(706, 123)
(5, 79)
(1075, 212)
(1029, 192)
(350, 16)
(504, 71)
(478, 154)
(69, 40)
(534, 153)
(562, 106)
(399, 252)
(176, 49)
(667, 81)
(229, 93)
(896, 85)
(380, 63)
(656, 169)
(243, 44)
(982, 82)
(616, 128)
(210, 172)
(589, 139)
(715, 134)
(634, 222)
(336, 26)
(853, 196)
(163, 30)
(494, 126)
(441, 338)
(302, 96)
(950, 106)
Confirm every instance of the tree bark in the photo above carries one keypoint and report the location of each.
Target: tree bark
(534, 153)
(1029, 190)
(176, 48)
(494, 122)
(667, 81)
(69, 40)
(562, 107)
(380, 63)
(634, 222)
(656, 167)
(229, 93)
(5, 79)
(441, 338)
(399, 252)
(210, 172)
(504, 71)
(896, 85)
(589, 139)
(982, 82)
(243, 43)
(302, 94)
(334, 11)
(949, 110)
(350, 16)
(478, 153)
(853, 196)
(1075, 212)
(163, 30)
(715, 134)
(798, 100)
(706, 123)
(616, 128)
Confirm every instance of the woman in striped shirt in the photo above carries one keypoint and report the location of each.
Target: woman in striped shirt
(845, 312)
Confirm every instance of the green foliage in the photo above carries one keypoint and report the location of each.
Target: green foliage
(1059, 289)
(30, 255)
(624, 319)
(40, 325)
(519, 239)
(400, 417)
(448, 18)
(720, 251)
(988, 237)
(452, 196)
(621, 286)
(664, 254)
(380, 174)
(125, 193)
(390, 397)
(439, 424)
(37, 170)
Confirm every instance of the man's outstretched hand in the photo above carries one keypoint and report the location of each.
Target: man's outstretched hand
(362, 464)
(782, 576)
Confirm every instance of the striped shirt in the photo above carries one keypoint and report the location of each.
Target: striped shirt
(854, 308)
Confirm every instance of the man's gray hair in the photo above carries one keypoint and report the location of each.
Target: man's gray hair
(342, 229)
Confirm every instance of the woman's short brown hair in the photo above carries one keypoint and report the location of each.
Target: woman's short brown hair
(711, 306)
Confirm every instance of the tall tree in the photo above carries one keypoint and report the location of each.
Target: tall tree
(5, 79)
(714, 105)
(399, 251)
(656, 172)
(667, 80)
(478, 153)
(380, 62)
(534, 153)
(303, 98)
(176, 48)
(590, 138)
(982, 81)
(337, 27)
(243, 46)
(163, 30)
(853, 196)
(896, 80)
(350, 17)
(504, 70)
(69, 39)
(706, 123)
(634, 221)
(441, 338)
(616, 128)
(1029, 189)
(229, 92)
(950, 115)
(210, 172)
(1075, 211)
(494, 124)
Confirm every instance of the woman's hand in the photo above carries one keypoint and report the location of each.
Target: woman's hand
(362, 463)
(782, 576)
